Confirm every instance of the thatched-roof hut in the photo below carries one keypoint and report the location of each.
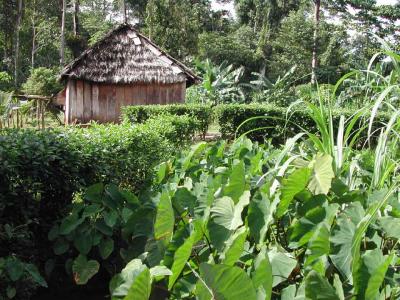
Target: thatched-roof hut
(124, 68)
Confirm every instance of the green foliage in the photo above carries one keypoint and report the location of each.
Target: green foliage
(141, 113)
(42, 81)
(42, 171)
(280, 92)
(5, 81)
(298, 28)
(276, 123)
(210, 246)
(175, 25)
(237, 48)
(220, 83)
(18, 279)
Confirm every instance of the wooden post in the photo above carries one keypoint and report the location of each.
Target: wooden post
(17, 118)
(43, 111)
(38, 113)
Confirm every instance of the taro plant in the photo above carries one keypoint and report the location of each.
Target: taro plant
(100, 228)
(224, 221)
(245, 221)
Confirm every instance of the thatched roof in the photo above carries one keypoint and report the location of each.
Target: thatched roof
(125, 56)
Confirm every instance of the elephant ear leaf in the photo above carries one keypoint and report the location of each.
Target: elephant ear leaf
(83, 269)
(322, 174)
(294, 184)
(318, 287)
(236, 183)
(165, 219)
(141, 287)
(369, 273)
(217, 282)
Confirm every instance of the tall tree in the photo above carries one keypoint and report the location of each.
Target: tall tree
(17, 42)
(138, 10)
(76, 17)
(62, 45)
(34, 32)
(176, 25)
(8, 10)
(314, 61)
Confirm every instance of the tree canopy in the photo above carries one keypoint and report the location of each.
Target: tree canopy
(262, 36)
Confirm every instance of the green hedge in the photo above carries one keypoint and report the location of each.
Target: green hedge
(279, 125)
(42, 170)
(141, 113)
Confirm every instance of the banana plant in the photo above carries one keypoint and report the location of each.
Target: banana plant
(221, 83)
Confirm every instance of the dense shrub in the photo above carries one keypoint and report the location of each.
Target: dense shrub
(42, 170)
(140, 113)
(18, 279)
(275, 123)
(42, 81)
(5, 81)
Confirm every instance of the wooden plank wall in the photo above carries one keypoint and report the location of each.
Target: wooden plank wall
(87, 101)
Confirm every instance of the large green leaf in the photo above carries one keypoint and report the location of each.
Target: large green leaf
(165, 219)
(294, 184)
(262, 276)
(342, 238)
(34, 273)
(369, 274)
(70, 223)
(378, 200)
(106, 247)
(15, 269)
(224, 212)
(289, 293)
(391, 226)
(127, 277)
(83, 242)
(91, 210)
(180, 236)
(95, 192)
(322, 174)
(234, 247)
(260, 214)
(282, 265)
(184, 200)
(83, 269)
(318, 288)
(319, 244)
(141, 287)
(181, 256)
(110, 218)
(227, 282)
(236, 183)
(60, 246)
(303, 229)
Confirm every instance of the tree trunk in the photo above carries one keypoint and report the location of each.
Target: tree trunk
(33, 33)
(76, 17)
(314, 62)
(33, 46)
(16, 61)
(62, 48)
(124, 11)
